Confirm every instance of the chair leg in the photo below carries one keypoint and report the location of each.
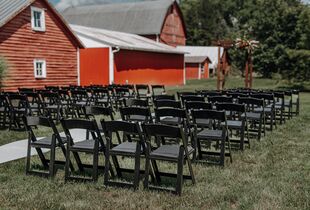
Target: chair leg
(147, 172)
(67, 163)
(106, 167)
(137, 167)
(28, 157)
(95, 166)
(52, 162)
(180, 171)
(191, 172)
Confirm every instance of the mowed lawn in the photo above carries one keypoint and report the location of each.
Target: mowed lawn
(273, 174)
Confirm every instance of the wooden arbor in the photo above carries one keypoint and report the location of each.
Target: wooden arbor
(249, 45)
(222, 65)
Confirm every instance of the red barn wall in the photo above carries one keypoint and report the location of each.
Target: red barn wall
(137, 67)
(20, 45)
(173, 31)
(192, 70)
(94, 66)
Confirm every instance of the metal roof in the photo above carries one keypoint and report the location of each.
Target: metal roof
(96, 38)
(142, 18)
(10, 8)
(198, 53)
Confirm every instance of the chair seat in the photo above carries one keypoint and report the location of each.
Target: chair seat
(47, 141)
(234, 124)
(171, 120)
(267, 109)
(126, 147)
(211, 134)
(169, 151)
(203, 122)
(139, 118)
(84, 145)
(252, 116)
(52, 107)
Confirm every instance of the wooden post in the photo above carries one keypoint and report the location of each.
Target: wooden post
(251, 70)
(219, 69)
(246, 80)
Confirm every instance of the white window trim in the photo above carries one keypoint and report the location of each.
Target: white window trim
(35, 61)
(36, 9)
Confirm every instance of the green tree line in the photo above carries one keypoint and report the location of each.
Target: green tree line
(281, 26)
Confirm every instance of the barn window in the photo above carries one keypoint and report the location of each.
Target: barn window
(39, 68)
(37, 19)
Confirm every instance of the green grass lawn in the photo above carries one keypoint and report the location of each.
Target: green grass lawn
(272, 174)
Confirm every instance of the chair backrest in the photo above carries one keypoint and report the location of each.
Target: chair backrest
(164, 97)
(17, 101)
(128, 128)
(209, 114)
(31, 122)
(50, 98)
(127, 112)
(142, 89)
(158, 90)
(135, 102)
(121, 92)
(169, 112)
(208, 93)
(251, 101)
(25, 90)
(172, 112)
(185, 93)
(231, 107)
(161, 132)
(192, 98)
(189, 105)
(79, 95)
(89, 125)
(91, 111)
(167, 103)
(268, 98)
(220, 99)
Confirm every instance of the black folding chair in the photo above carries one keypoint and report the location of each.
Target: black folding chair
(51, 142)
(158, 90)
(186, 98)
(126, 148)
(94, 146)
(255, 118)
(236, 121)
(4, 111)
(269, 108)
(136, 114)
(35, 103)
(172, 116)
(216, 132)
(179, 153)
(279, 106)
(52, 105)
(193, 105)
(80, 98)
(19, 106)
(143, 91)
(220, 99)
(101, 96)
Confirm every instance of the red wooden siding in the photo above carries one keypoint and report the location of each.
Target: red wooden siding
(20, 45)
(192, 70)
(94, 66)
(173, 31)
(134, 67)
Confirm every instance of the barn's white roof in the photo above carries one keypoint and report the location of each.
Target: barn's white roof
(201, 53)
(95, 38)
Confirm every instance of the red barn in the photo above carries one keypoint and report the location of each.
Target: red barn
(122, 58)
(38, 46)
(200, 60)
(159, 20)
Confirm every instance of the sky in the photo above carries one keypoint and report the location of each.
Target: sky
(63, 4)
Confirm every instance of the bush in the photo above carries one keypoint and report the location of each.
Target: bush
(3, 68)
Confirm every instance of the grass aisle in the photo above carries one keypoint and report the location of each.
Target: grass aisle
(273, 174)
